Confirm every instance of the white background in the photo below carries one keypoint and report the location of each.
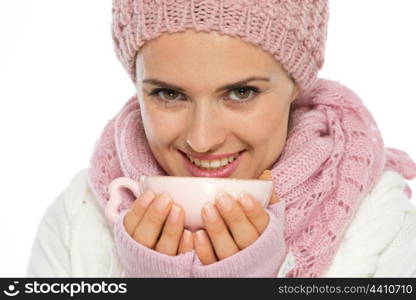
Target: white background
(60, 83)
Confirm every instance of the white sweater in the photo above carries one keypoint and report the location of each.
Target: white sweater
(74, 239)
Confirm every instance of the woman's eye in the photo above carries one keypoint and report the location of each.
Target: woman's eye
(240, 95)
(167, 94)
(244, 94)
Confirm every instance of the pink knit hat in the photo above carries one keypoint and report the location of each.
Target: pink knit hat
(293, 31)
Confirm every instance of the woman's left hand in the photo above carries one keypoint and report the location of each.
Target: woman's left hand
(230, 225)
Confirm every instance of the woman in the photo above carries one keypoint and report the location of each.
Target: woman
(219, 81)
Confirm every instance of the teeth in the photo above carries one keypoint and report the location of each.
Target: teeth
(205, 164)
(212, 164)
(215, 163)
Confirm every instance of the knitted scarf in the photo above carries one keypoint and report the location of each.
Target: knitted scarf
(333, 156)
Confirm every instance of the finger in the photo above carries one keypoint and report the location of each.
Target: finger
(149, 228)
(203, 248)
(267, 175)
(218, 233)
(242, 230)
(172, 231)
(187, 242)
(254, 212)
(136, 212)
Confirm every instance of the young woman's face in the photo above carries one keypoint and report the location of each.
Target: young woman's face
(187, 110)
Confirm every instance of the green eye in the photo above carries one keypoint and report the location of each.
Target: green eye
(167, 97)
(242, 92)
(242, 95)
(170, 94)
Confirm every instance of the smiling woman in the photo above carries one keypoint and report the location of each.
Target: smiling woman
(230, 89)
(200, 114)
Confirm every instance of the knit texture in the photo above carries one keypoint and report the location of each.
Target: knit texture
(333, 156)
(294, 32)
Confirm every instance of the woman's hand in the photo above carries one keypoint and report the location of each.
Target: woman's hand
(145, 223)
(230, 226)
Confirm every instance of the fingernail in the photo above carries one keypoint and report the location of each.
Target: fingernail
(266, 175)
(187, 237)
(246, 201)
(162, 202)
(174, 214)
(146, 198)
(224, 201)
(201, 238)
(186, 234)
(210, 212)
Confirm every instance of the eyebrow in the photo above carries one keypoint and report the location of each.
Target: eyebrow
(225, 87)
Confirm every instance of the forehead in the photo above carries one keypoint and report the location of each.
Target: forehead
(190, 51)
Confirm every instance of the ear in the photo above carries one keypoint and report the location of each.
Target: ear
(295, 93)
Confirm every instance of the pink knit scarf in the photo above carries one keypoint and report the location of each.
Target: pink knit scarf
(333, 156)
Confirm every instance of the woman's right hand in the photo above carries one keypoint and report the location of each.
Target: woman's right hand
(157, 223)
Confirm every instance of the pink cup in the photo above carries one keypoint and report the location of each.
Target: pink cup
(191, 193)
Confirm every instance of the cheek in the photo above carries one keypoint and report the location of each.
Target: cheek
(265, 126)
(161, 128)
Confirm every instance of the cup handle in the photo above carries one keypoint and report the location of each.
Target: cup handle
(111, 209)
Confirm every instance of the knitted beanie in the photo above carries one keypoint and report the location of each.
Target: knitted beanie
(293, 31)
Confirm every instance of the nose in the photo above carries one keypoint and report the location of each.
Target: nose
(206, 130)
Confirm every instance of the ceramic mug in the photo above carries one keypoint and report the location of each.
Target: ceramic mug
(191, 193)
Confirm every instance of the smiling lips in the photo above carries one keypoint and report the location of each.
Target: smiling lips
(212, 165)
